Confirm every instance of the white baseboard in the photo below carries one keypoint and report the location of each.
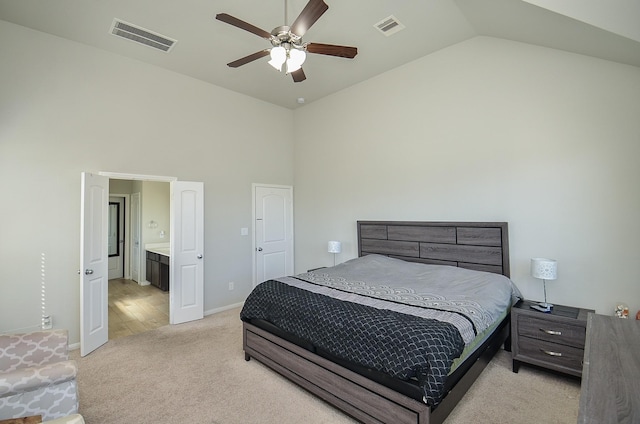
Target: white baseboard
(30, 329)
(223, 308)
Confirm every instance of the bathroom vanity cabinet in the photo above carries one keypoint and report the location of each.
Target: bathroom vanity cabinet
(158, 270)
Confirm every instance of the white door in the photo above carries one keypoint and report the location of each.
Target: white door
(115, 244)
(94, 283)
(135, 237)
(186, 284)
(273, 232)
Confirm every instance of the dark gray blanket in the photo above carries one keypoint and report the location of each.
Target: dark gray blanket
(403, 346)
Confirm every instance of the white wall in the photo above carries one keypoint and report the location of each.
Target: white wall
(67, 108)
(486, 130)
(155, 207)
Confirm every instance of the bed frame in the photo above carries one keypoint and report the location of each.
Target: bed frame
(474, 245)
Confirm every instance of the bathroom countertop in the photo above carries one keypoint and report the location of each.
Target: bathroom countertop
(159, 248)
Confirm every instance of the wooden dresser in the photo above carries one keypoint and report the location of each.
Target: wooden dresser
(610, 390)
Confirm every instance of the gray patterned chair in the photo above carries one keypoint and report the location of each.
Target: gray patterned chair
(36, 375)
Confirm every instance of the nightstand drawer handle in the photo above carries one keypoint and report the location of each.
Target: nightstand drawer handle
(550, 353)
(553, 333)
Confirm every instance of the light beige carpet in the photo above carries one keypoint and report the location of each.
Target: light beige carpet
(196, 373)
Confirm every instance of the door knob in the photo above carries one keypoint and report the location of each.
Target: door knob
(199, 256)
(88, 271)
(259, 249)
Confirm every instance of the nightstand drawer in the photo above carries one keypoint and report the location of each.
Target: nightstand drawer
(554, 332)
(551, 354)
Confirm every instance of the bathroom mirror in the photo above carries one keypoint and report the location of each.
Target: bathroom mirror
(114, 229)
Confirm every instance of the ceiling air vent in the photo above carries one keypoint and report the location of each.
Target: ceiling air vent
(389, 26)
(141, 35)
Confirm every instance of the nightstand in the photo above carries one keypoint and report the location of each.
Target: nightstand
(553, 340)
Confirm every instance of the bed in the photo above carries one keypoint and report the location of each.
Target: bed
(373, 350)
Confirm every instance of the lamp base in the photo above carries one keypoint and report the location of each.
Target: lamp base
(542, 307)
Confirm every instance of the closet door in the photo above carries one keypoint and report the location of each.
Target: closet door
(273, 232)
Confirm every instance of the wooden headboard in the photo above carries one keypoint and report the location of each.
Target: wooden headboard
(483, 246)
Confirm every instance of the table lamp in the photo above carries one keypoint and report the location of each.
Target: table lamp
(544, 269)
(334, 247)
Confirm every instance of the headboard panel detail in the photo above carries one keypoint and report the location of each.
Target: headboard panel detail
(482, 246)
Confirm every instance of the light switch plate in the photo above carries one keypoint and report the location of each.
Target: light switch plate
(244, 231)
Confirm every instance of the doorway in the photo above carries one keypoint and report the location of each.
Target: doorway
(134, 306)
(186, 278)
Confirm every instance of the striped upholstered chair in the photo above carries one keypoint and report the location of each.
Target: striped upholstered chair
(36, 375)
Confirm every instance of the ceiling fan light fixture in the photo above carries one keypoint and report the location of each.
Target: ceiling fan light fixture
(295, 60)
(286, 41)
(278, 57)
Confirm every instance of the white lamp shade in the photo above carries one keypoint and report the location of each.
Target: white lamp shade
(296, 59)
(292, 67)
(335, 247)
(544, 269)
(278, 57)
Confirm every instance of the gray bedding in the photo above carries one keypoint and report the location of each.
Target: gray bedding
(470, 300)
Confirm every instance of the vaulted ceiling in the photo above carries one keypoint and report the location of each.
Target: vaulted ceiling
(205, 45)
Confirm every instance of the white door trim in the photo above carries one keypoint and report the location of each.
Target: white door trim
(139, 177)
(253, 226)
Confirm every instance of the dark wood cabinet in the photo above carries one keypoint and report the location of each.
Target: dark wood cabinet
(158, 270)
(553, 340)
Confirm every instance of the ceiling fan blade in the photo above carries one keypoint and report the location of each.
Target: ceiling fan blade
(243, 25)
(298, 76)
(247, 59)
(332, 50)
(309, 15)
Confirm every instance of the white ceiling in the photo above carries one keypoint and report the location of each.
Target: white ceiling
(204, 45)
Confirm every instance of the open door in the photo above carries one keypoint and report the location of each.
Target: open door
(94, 288)
(186, 289)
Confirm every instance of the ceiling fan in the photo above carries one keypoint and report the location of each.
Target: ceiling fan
(288, 52)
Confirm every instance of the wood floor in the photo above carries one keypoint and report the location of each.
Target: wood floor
(135, 309)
